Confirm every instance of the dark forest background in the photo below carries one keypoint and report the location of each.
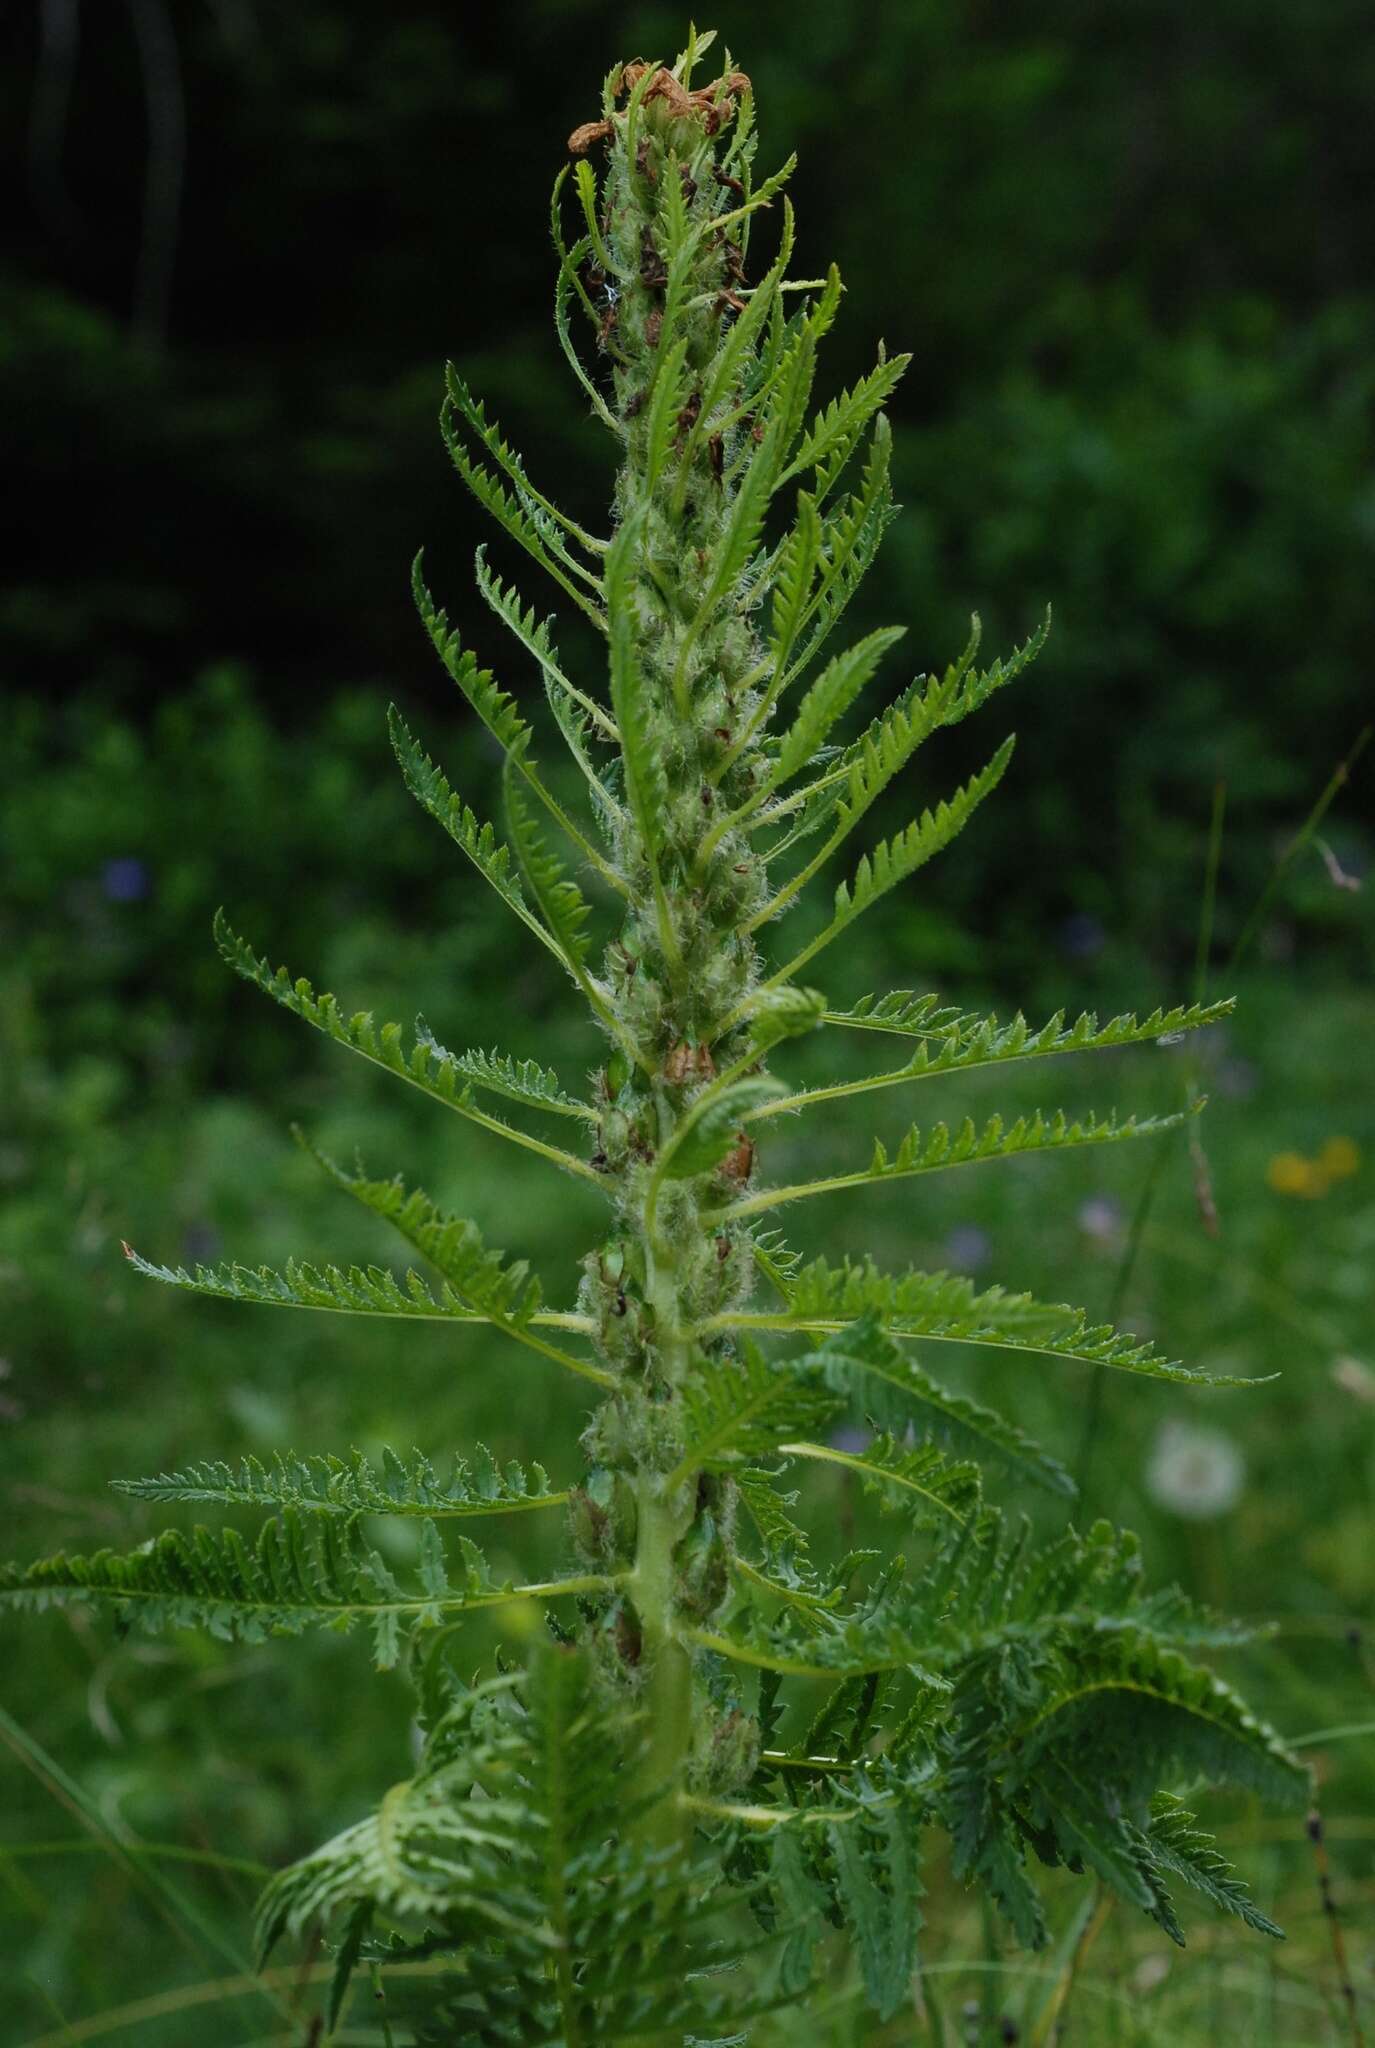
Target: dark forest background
(1129, 247)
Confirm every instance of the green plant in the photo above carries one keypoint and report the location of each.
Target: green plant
(724, 1749)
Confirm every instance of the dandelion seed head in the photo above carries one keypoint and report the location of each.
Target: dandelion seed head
(1195, 1473)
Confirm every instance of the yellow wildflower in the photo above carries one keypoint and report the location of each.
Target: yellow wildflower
(1289, 1173)
(1339, 1158)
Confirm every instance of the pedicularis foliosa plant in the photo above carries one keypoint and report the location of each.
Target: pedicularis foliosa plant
(709, 1786)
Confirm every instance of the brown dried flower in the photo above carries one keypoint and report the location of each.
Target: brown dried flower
(713, 104)
(582, 139)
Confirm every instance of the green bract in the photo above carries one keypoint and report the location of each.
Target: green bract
(591, 1841)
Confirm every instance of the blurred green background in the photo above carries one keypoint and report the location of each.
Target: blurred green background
(1130, 250)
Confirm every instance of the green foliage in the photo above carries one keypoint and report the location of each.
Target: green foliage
(536, 637)
(342, 1291)
(847, 791)
(983, 1041)
(508, 1832)
(524, 513)
(335, 1486)
(1173, 1846)
(899, 1394)
(839, 554)
(493, 706)
(967, 1146)
(508, 1297)
(492, 860)
(833, 435)
(644, 779)
(974, 1040)
(562, 903)
(920, 1483)
(603, 1841)
(1053, 1700)
(945, 1308)
(440, 1851)
(708, 1133)
(735, 1411)
(519, 1080)
(449, 1078)
(894, 860)
(304, 1571)
(874, 1849)
(828, 699)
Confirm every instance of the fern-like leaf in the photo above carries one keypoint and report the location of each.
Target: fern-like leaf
(509, 1297)
(432, 792)
(576, 725)
(828, 699)
(945, 1308)
(982, 684)
(510, 1294)
(967, 1146)
(850, 540)
(985, 1041)
(569, 286)
(514, 1828)
(776, 1259)
(744, 524)
(860, 778)
(796, 369)
(894, 860)
(536, 636)
(838, 426)
(865, 767)
(769, 1510)
(497, 710)
(426, 1066)
(672, 378)
(353, 1486)
(1174, 1845)
(562, 903)
(738, 1410)
(335, 1290)
(304, 1571)
(487, 431)
(524, 1081)
(794, 572)
(905, 1014)
(1143, 1712)
(864, 1362)
(920, 1483)
(522, 516)
(763, 195)
(493, 705)
(432, 1850)
(874, 1850)
(734, 354)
